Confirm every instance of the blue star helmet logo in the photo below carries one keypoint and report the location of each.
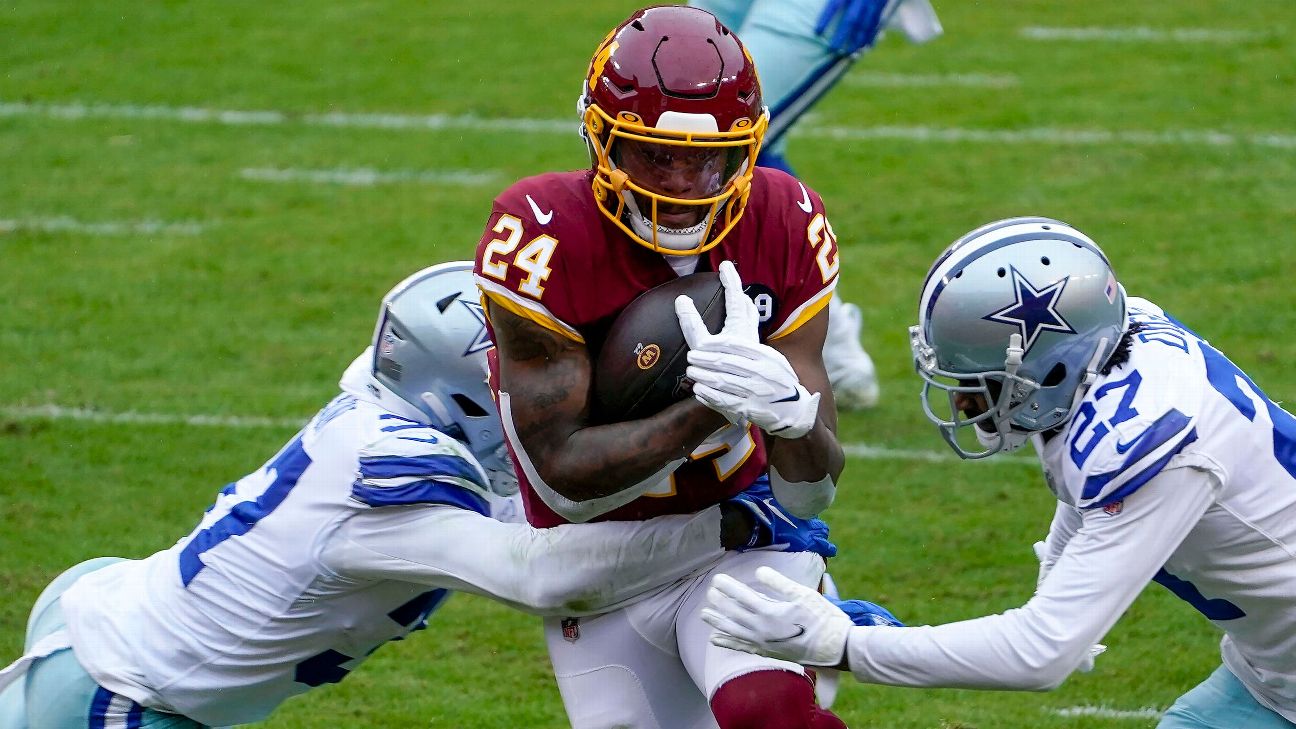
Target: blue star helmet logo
(482, 339)
(1034, 311)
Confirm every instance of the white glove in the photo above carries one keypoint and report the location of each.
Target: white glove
(792, 622)
(737, 376)
(1097, 649)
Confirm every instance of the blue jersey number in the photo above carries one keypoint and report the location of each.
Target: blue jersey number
(326, 667)
(1225, 376)
(1087, 412)
(280, 476)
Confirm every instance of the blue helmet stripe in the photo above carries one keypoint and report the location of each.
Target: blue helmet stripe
(787, 110)
(975, 255)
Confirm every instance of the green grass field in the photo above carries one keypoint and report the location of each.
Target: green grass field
(148, 268)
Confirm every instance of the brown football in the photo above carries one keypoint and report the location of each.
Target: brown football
(640, 369)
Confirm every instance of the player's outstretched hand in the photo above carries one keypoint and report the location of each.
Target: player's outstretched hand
(776, 530)
(857, 24)
(737, 376)
(787, 620)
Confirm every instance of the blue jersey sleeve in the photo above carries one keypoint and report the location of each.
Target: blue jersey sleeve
(411, 463)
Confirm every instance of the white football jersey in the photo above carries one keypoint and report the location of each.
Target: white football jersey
(348, 538)
(1179, 398)
(241, 613)
(1176, 468)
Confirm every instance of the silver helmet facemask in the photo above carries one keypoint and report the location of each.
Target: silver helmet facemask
(429, 349)
(1017, 316)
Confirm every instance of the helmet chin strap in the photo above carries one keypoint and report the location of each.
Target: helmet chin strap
(1090, 374)
(676, 239)
(1005, 438)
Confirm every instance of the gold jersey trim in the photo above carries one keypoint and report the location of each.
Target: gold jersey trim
(527, 309)
(805, 312)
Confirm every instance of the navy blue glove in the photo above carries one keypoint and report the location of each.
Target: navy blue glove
(777, 530)
(863, 612)
(857, 24)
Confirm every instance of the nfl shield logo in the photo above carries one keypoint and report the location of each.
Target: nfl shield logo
(1113, 508)
(571, 629)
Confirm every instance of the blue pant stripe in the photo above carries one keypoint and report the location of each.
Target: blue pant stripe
(791, 107)
(99, 708)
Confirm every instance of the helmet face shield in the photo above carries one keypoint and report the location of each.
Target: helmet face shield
(675, 192)
(669, 168)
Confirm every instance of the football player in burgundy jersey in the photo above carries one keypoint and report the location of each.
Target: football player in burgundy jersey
(672, 113)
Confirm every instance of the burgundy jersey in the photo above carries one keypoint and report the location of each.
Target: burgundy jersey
(549, 255)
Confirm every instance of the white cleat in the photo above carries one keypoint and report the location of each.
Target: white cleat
(850, 369)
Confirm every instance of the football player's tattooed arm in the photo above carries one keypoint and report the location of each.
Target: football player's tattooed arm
(809, 466)
(545, 382)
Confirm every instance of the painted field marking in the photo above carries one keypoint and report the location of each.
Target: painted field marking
(1053, 135)
(240, 117)
(1138, 34)
(1109, 713)
(440, 122)
(919, 80)
(65, 224)
(131, 417)
(367, 177)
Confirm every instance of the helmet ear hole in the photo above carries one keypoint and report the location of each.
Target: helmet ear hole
(1055, 376)
(469, 406)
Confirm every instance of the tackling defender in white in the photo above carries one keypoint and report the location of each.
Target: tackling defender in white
(349, 537)
(1168, 462)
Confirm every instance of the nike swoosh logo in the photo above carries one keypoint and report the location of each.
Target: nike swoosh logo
(796, 395)
(774, 510)
(1121, 448)
(803, 203)
(542, 218)
(800, 632)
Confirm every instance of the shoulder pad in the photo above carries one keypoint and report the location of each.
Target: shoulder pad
(534, 247)
(1125, 430)
(412, 463)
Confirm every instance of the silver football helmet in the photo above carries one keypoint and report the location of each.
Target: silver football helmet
(429, 349)
(1022, 312)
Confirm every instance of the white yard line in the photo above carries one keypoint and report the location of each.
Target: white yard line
(64, 224)
(1138, 34)
(243, 117)
(929, 80)
(1054, 135)
(1109, 713)
(366, 177)
(442, 122)
(131, 417)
